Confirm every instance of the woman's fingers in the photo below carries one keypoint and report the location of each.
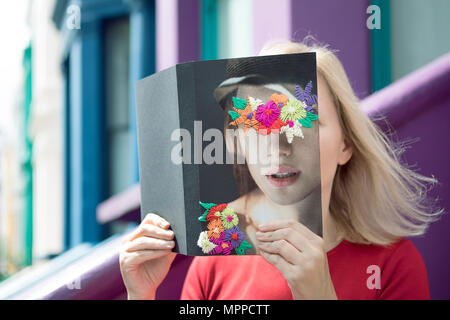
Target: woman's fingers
(280, 224)
(138, 257)
(282, 248)
(151, 226)
(298, 240)
(147, 243)
(156, 220)
(152, 231)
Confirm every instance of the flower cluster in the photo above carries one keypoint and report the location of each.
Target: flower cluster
(278, 115)
(223, 234)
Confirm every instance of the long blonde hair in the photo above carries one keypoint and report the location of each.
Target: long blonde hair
(375, 198)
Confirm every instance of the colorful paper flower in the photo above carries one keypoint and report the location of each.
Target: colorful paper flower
(214, 211)
(244, 116)
(224, 248)
(306, 96)
(215, 229)
(254, 103)
(293, 129)
(279, 99)
(267, 113)
(222, 235)
(274, 128)
(234, 236)
(293, 110)
(204, 243)
(278, 115)
(229, 218)
(218, 241)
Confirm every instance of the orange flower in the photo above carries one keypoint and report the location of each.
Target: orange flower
(279, 98)
(246, 117)
(215, 229)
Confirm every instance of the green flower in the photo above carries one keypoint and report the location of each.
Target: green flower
(228, 217)
(293, 110)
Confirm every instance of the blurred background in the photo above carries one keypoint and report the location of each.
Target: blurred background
(68, 149)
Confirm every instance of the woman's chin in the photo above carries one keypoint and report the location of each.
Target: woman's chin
(284, 199)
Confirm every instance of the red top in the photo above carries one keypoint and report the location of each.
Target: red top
(403, 275)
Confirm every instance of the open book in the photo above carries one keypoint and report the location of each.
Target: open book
(226, 145)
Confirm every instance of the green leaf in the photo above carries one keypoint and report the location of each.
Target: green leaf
(312, 116)
(206, 206)
(305, 122)
(244, 246)
(239, 103)
(234, 115)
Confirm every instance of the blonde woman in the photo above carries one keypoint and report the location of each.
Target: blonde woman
(370, 203)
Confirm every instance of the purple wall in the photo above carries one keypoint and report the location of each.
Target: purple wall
(263, 31)
(344, 29)
(432, 155)
(418, 107)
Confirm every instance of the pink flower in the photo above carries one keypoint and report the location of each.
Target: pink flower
(268, 113)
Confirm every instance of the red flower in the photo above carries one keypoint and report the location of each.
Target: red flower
(276, 127)
(212, 211)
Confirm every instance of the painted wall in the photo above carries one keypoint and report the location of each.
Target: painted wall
(46, 131)
(420, 33)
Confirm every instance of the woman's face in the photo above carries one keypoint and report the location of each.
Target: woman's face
(301, 168)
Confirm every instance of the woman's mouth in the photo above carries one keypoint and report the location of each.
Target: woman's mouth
(283, 177)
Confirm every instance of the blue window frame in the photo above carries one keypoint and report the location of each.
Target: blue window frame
(86, 167)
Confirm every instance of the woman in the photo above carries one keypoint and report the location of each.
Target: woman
(370, 202)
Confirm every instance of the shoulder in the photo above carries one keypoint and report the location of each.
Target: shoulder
(399, 267)
(405, 273)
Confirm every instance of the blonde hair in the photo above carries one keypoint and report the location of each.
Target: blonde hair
(374, 198)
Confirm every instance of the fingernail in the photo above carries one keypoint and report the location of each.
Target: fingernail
(259, 234)
(164, 224)
(262, 226)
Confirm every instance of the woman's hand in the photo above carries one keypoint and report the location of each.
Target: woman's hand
(299, 254)
(146, 256)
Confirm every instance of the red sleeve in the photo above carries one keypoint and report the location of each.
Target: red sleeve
(404, 276)
(192, 287)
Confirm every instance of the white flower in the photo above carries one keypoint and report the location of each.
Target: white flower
(254, 103)
(204, 243)
(295, 130)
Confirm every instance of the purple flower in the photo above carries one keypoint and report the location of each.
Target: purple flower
(234, 236)
(268, 113)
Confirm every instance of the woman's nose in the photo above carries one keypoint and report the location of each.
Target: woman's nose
(285, 148)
